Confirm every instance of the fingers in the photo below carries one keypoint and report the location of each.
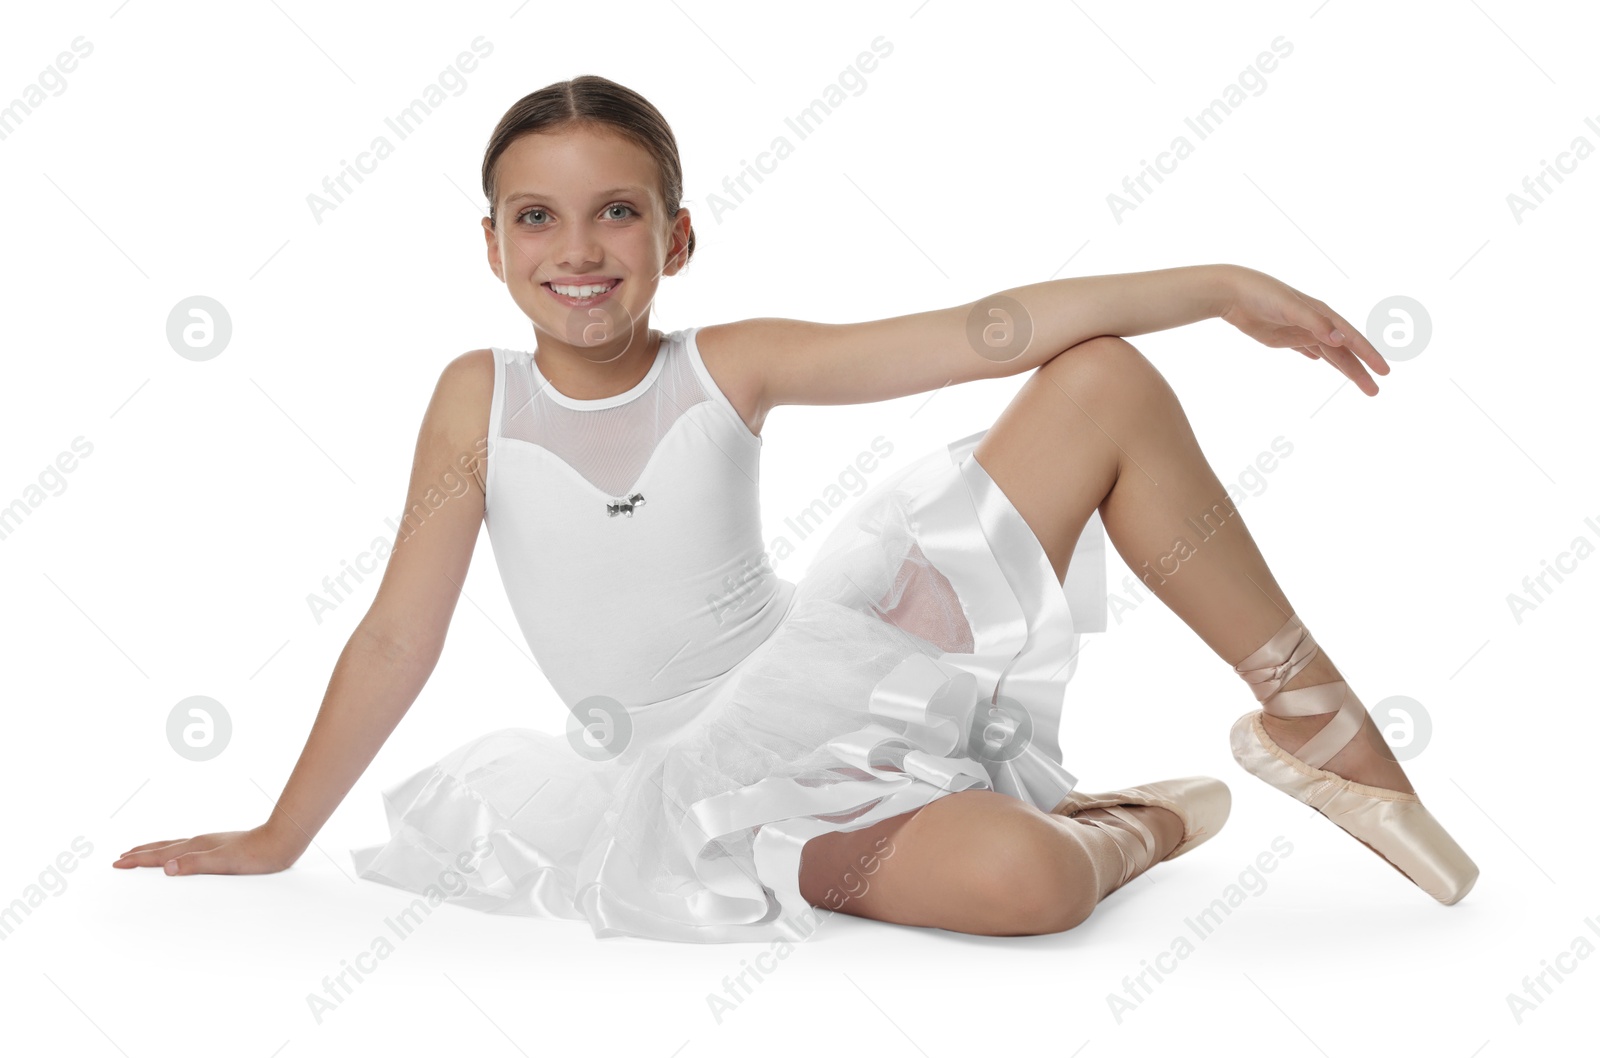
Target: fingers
(1343, 346)
(154, 845)
(155, 853)
(1358, 344)
(148, 857)
(207, 861)
(173, 860)
(1336, 341)
(151, 855)
(1342, 359)
(1352, 339)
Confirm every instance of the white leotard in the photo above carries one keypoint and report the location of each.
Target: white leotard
(627, 529)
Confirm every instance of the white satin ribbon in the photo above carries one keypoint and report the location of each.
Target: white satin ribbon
(961, 712)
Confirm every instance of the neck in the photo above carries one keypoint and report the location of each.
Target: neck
(600, 371)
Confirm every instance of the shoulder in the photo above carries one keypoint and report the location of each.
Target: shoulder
(457, 420)
(727, 345)
(465, 390)
(476, 367)
(735, 355)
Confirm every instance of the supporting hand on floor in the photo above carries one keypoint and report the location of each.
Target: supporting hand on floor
(257, 851)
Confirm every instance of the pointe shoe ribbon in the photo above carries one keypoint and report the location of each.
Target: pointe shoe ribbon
(1392, 823)
(1294, 644)
(1201, 802)
(1123, 827)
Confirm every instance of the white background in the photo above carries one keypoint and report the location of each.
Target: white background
(177, 558)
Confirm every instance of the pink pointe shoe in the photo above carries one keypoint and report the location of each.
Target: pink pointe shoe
(1199, 800)
(1394, 824)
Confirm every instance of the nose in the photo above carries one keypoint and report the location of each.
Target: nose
(579, 249)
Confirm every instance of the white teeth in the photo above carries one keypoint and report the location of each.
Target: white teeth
(588, 290)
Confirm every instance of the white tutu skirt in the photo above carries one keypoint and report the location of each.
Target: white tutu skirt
(926, 650)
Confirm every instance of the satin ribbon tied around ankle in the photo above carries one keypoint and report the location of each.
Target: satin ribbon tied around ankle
(1277, 662)
(1135, 843)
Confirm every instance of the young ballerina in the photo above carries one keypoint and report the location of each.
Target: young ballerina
(880, 737)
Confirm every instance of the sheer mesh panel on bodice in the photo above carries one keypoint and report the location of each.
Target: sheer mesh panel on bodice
(608, 446)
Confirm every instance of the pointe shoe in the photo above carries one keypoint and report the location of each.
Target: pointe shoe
(1394, 824)
(1199, 800)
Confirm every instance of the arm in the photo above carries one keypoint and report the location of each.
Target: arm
(1020, 328)
(392, 651)
(1064, 312)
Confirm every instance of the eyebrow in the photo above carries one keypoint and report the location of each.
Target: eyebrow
(637, 191)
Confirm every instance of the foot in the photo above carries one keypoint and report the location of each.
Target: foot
(1367, 759)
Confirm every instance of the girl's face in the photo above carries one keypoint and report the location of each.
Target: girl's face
(580, 208)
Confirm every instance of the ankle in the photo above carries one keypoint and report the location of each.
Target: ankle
(1318, 671)
(1164, 824)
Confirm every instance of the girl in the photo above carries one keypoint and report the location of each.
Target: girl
(879, 738)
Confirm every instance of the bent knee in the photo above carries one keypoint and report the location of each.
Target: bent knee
(1036, 877)
(1109, 372)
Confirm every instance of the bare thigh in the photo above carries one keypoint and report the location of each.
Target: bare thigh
(1058, 448)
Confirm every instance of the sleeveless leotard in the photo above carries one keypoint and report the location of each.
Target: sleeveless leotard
(630, 542)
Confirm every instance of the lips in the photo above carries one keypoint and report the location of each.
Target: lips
(584, 302)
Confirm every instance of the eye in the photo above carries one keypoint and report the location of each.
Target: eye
(522, 217)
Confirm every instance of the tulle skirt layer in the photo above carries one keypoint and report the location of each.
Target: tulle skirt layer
(925, 651)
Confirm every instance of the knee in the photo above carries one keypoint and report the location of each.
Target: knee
(1036, 878)
(1110, 373)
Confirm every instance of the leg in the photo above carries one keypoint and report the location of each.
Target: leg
(976, 861)
(1099, 427)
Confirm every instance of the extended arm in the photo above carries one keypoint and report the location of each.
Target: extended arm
(1020, 328)
(393, 649)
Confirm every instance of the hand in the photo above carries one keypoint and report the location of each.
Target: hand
(231, 852)
(1278, 315)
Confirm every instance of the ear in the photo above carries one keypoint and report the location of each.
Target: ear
(495, 265)
(677, 242)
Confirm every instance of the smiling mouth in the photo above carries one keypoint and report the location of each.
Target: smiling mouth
(590, 300)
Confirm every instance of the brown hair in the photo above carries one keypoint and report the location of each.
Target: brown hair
(591, 100)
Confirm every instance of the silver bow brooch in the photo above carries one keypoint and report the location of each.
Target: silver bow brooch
(626, 506)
